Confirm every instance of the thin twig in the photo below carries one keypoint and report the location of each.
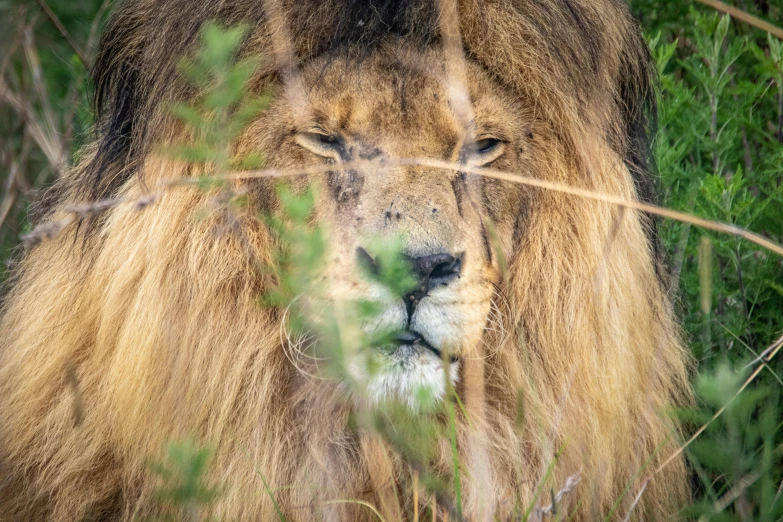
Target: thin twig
(570, 485)
(771, 352)
(528, 181)
(636, 500)
(741, 15)
(490, 173)
(56, 22)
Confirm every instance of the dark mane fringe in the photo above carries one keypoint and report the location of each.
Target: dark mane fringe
(638, 103)
(368, 22)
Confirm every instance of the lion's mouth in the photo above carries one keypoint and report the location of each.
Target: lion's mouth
(413, 338)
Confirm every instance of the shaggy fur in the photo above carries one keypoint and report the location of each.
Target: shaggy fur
(142, 327)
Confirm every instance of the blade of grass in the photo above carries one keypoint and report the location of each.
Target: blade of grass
(453, 435)
(272, 497)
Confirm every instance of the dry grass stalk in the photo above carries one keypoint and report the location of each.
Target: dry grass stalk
(748, 18)
(636, 500)
(708, 224)
(551, 509)
(65, 34)
(415, 497)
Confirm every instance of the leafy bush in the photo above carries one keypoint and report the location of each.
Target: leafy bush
(720, 156)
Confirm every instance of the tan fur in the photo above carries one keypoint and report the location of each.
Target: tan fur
(155, 312)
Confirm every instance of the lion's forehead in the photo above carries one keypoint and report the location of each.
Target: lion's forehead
(395, 94)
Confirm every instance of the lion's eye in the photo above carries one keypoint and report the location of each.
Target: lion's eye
(486, 150)
(486, 145)
(322, 144)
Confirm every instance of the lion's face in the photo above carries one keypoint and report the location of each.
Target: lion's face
(396, 105)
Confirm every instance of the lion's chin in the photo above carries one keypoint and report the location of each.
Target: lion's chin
(409, 374)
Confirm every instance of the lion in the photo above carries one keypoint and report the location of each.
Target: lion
(142, 326)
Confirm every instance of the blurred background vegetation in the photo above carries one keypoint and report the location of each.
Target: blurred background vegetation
(719, 153)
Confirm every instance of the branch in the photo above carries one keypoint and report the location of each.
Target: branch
(553, 186)
(60, 27)
(745, 17)
(770, 352)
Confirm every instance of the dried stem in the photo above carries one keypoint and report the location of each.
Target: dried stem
(562, 188)
(745, 17)
(56, 22)
(9, 188)
(570, 485)
(770, 352)
(636, 500)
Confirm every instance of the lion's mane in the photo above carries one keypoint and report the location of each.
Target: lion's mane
(140, 327)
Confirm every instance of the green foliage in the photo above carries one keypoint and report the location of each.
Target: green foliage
(413, 430)
(738, 457)
(719, 157)
(184, 485)
(302, 247)
(223, 108)
(719, 153)
(219, 113)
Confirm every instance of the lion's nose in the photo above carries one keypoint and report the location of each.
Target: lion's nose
(430, 272)
(433, 271)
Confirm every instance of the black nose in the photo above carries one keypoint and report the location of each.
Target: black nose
(434, 271)
(430, 272)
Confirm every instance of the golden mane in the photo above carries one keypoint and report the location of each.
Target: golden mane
(147, 324)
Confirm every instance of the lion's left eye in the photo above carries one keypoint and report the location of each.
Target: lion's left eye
(486, 150)
(486, 145)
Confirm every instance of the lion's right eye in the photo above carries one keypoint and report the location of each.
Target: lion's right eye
(322, 144)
